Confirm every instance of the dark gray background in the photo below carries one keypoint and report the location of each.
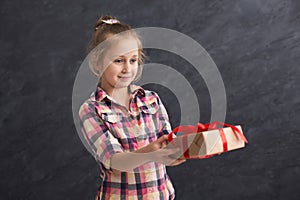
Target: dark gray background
(255, 45)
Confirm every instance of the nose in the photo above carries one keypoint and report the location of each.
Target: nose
(126, 67)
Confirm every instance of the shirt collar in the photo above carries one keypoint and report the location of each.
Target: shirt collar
(147, 102)
(100, 95)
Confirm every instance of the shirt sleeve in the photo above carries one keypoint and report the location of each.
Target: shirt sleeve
(163, 118)
(103, 144)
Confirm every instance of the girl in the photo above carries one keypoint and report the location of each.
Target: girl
(125, 125)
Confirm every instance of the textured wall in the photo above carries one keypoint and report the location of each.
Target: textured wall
(254, 43)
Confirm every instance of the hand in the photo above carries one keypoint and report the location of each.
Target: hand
(157, 153)
(156, 145)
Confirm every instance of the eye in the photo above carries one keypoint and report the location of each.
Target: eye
(118, 60)
(133, 60)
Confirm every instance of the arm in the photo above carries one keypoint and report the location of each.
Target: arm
(102, 143)
(163, 116)
(107, 150)
(153, 152)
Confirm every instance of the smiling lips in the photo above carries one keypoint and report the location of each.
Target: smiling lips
(124, 77)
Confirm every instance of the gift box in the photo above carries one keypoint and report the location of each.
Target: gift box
(204, 141)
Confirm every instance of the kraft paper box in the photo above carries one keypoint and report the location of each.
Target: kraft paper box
(207, 143)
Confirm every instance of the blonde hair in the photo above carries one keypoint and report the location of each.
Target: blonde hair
(104, 31)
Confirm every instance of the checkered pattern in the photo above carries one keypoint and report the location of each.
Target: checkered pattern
(110, 128)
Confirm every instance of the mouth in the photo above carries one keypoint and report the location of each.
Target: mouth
(125, 78)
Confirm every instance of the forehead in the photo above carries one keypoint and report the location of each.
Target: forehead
(123, 46)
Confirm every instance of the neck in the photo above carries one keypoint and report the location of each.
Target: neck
(120, 95)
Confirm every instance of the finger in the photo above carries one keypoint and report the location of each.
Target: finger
(164, 144)
(168, 160)
(170, 151)
(163, 138)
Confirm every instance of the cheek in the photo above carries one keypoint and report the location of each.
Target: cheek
(136, 68)
(113, 69)
(107, 65)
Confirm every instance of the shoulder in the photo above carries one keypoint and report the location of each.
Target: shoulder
(151, 96)
(147, 100)
(85, 108)
(145, 97)
(88, 105)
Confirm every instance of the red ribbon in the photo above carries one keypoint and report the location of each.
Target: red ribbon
(205, 127)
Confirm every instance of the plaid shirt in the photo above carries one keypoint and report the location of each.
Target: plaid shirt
(109, 128)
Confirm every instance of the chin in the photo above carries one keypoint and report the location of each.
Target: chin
(122, 84)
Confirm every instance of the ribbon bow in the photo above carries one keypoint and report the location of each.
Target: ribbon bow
(111, 21)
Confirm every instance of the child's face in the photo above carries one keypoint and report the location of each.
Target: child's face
(122, 64)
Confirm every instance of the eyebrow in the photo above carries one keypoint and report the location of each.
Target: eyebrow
(124, 56)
